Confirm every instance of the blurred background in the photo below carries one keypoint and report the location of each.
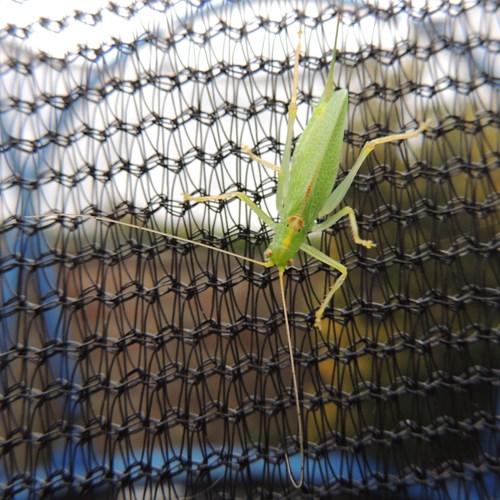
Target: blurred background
(134, 365)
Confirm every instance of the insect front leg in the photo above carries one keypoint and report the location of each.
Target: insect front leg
(317, 254)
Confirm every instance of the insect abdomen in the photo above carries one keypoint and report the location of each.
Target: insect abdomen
(316, 159)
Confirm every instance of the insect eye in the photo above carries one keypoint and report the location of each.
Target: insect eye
(268, 253)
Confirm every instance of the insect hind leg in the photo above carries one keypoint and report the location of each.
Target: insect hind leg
(340, 191)
(260, 160)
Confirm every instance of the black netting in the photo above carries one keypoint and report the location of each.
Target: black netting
(133, 364)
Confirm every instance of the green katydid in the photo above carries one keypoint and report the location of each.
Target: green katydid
(304, 195)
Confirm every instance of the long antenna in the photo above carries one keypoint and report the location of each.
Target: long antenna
(298, 483)
(149, 230)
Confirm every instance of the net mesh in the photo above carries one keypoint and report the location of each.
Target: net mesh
(132, 364)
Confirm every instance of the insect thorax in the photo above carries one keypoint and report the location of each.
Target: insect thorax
(289, 237)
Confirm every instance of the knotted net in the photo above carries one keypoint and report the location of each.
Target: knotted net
(134, 365)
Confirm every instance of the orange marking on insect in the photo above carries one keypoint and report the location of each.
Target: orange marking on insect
(294, 224)
(309, 189)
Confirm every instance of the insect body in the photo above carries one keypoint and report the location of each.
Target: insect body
(309, 182)
(305, 200)
(304, 194)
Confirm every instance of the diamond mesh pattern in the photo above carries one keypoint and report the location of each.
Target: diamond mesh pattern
(132, 364)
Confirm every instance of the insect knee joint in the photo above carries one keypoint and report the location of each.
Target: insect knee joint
(370, 145)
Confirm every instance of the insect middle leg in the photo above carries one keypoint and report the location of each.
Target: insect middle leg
(330, 221)
(237, 194)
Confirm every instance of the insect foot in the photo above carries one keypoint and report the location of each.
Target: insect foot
(365, 243)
